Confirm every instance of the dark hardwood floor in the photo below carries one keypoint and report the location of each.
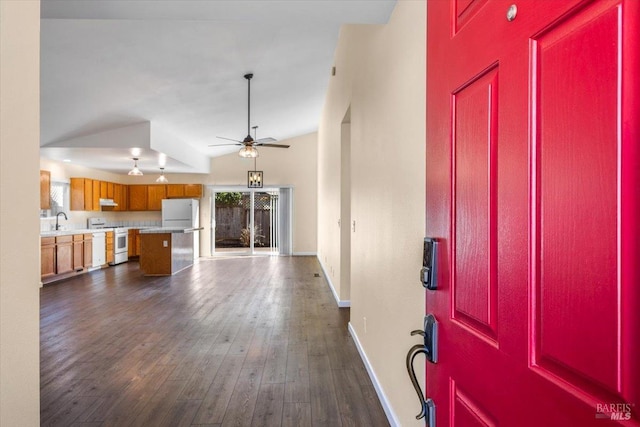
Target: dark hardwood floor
(253, 341)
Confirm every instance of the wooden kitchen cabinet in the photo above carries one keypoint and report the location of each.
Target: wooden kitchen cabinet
(193, 191)
(82, 195)
(88, 196)
(96, 194)
(110, 186)
(138, 197)
(109, 256)
(45, 189)
(177, 191)
(64, 254)
(77, 194)
(156, 192)
(47, 257)
(78, 252)
(87, 250)
(103, 190)
(134, 242)
(118, 197)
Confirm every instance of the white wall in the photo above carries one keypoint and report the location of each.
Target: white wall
(19, 204)
(381, 76)
(295, 166)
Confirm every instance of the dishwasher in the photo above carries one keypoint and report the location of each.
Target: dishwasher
(99, 246)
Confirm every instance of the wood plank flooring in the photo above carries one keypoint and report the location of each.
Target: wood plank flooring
(251, 341)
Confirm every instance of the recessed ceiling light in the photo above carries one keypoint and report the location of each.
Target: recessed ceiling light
(67, 160)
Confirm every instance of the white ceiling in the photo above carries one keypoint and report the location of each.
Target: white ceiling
(178, 65)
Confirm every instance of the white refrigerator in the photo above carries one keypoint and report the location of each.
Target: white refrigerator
(183, 213)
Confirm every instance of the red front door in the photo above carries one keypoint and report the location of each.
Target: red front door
(533, 171)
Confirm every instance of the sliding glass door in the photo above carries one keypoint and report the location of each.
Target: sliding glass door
(246, 222)
(265, 220)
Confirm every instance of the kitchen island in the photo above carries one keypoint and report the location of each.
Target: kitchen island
(165, 251)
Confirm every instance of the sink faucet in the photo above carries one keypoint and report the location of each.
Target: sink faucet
(58, 217)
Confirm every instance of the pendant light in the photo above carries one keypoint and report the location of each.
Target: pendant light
(254, 177)
(248, 151)
(135, 171)
(162, 179)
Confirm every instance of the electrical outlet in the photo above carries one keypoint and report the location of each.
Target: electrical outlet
(165, 243)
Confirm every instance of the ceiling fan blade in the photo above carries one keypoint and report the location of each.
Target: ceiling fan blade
(274, 145)
(264, 140)
(229, 139)
(222, 145)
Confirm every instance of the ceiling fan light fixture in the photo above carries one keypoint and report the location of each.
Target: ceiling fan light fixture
(248, 152)
(135, 171)
(162, 179)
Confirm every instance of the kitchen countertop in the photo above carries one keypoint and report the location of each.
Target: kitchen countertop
(54, 233)
(160, 230)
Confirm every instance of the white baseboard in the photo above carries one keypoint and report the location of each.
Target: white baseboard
(341, 303)
(305, 254)
(386, 406)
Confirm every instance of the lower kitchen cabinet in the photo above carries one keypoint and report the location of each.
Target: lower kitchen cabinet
(109, 247)
(87, 250)
(134, 242)
(78, 252)
(47, 257)
(64, 254)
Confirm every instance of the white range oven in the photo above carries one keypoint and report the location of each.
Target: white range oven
(120, 239)
(120, 245)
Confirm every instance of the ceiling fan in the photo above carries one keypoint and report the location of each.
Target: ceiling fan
(249, 144)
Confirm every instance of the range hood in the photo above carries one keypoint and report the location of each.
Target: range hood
(107, 202)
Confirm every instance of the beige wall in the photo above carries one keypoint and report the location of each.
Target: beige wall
(19, 203)
(381, 76)
(295, 167)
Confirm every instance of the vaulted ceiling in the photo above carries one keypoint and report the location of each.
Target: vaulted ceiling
(166, 76)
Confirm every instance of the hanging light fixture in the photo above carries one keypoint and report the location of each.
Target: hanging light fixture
(254, 177)
(162, 179)
(248, 151)
(135, 171)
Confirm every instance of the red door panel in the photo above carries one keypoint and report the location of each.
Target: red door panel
(474, 284)
(575, 304)
(533, 165)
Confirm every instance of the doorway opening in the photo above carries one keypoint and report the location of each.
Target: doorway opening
(249, 221)
(345, 207)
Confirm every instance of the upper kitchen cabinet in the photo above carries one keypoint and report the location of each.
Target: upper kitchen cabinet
(146, 197)
(45, 190)
(96, 194)
(191, 191)
(82, 195)
(120, 196)
(156, 192)
(138, 197)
